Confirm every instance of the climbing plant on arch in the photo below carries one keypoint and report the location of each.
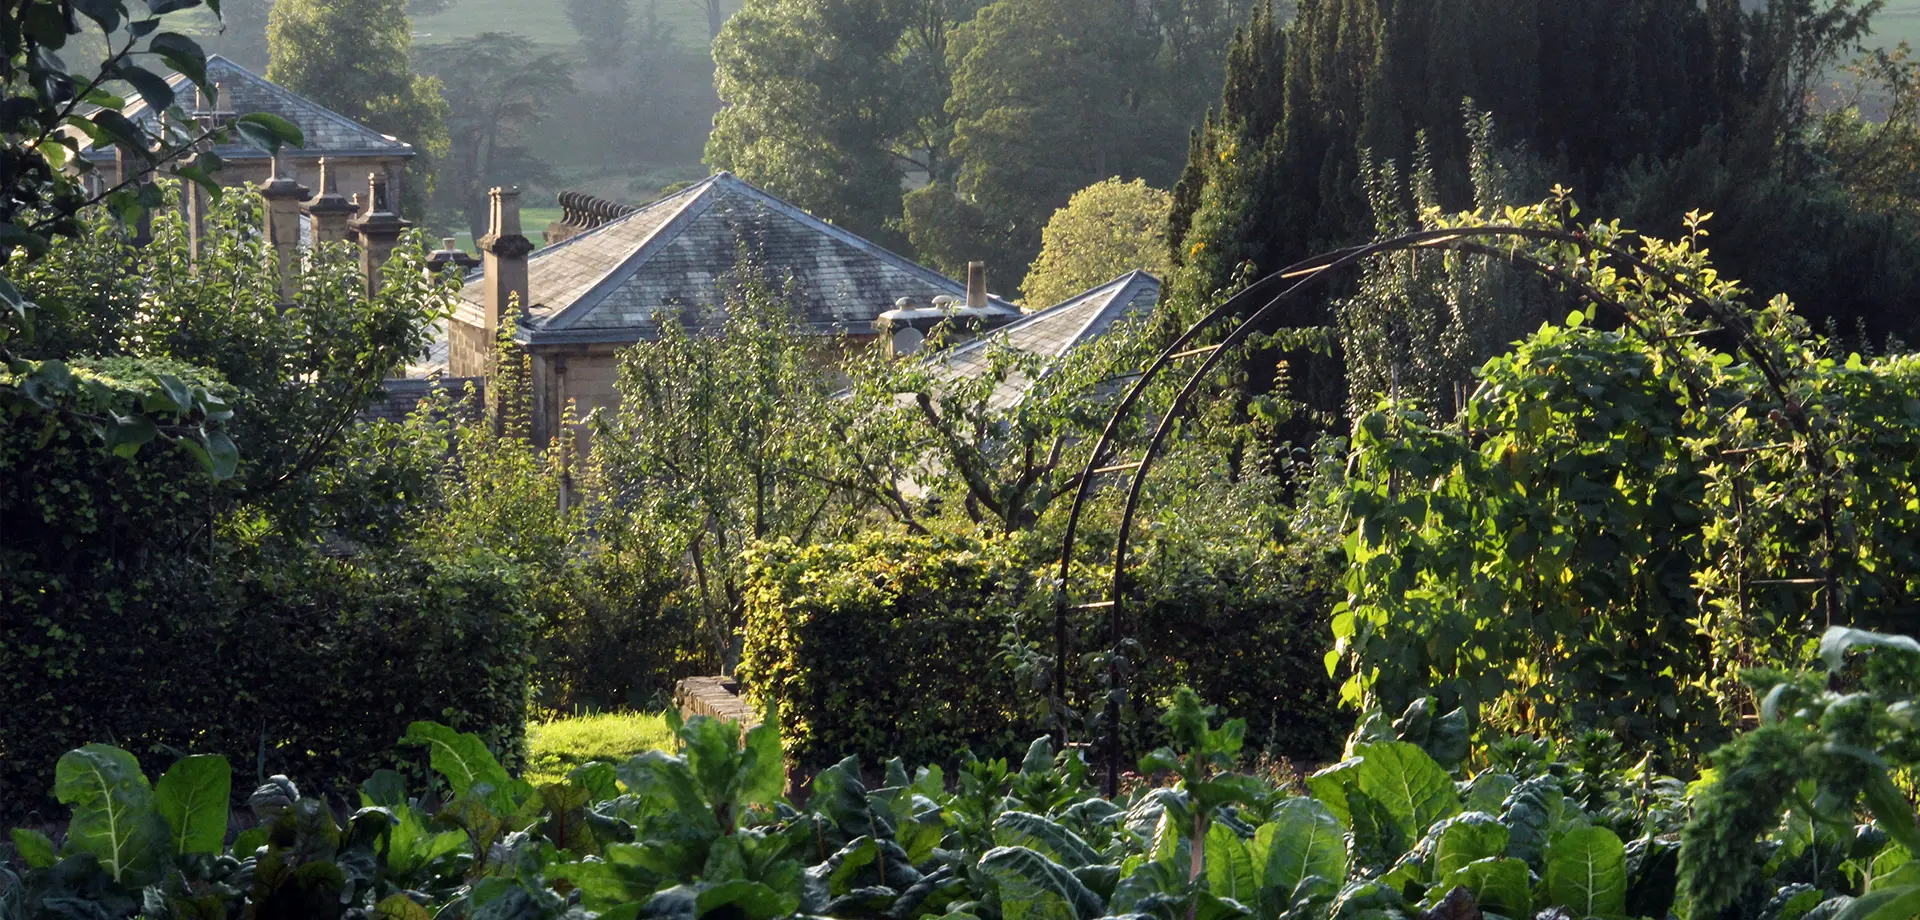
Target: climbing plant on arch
(1627, 510)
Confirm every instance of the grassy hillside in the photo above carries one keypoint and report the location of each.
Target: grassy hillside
(1899, 22)
(545, 21)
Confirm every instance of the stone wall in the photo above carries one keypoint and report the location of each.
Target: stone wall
(715, 697)
(469, 349)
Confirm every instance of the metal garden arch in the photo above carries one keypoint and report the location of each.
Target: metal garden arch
(1247, 312)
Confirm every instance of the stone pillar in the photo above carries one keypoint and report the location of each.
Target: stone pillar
(379, 230)
(124, 172)
(284, 196)
(330, 210)
(504, 258)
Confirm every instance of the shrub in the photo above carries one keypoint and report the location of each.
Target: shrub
(886, 645)
(300, 664)
(1244, 627)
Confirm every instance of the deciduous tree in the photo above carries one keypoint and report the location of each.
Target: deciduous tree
(356, 58)
(1107, 229)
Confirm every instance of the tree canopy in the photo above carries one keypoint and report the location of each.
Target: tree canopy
(1106, 229)
(356, 58)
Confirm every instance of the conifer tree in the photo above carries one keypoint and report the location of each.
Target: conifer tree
(1601, 91)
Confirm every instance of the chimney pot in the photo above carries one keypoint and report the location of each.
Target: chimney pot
(976, 284)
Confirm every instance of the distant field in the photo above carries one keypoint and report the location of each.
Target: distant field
(1899, 22)
(545, 21)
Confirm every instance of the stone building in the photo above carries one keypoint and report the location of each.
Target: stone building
(619, 270)
(353, 151)
(1050, 333)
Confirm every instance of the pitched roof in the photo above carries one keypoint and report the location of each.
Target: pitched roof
(328, 133)
(1050, 333)
(610, 283)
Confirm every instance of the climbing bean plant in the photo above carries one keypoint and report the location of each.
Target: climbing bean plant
(1632, 505)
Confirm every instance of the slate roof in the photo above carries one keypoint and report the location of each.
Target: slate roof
(611, 283)
(1051, 333)
(328, 133)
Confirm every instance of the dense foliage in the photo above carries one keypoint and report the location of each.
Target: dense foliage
(887, 644)
(989, 116)
(143, 601)
(1413, 823)
(1654, 108)
(1105, 230)
(1623, 515)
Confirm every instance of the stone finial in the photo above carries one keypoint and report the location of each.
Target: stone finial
(329, 209)
(379, 229)
(450, 256)
(284, 196)
(504, 257)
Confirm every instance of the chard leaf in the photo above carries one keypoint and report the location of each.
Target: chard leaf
(1304, 839)
(1413, 788)
(193, 796)
(1048, 838)
(1499, 885)
(35, 849)
(1033, 887)
(461, 757)
(1587, 873)
(113, 816)
(1230, 869)
(1467, 838)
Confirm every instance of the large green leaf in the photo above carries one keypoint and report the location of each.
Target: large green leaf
(763, 774)
(34, 848)
(1303, 839)
(1467, 838)
(1499, 885)
(1033, 887)
(1330, 784)
(461, 757)
(113, 816)
(1024, 829)
(1896, 903)
(1587, 873)
(193, 796)
(1230, 869)
(1415, 791)
(711, 747)
(666, 787)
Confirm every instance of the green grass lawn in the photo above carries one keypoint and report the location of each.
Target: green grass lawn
(555, 748)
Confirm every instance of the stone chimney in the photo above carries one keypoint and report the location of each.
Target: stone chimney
(977, 285)
(330, 210)
(283, 196)
(450, 257)
(504, 257)
(379, 229)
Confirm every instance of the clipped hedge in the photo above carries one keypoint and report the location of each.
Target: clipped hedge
(886, 646)
(1245, 627)
(918, 646)
(120, 620)
(310, 667)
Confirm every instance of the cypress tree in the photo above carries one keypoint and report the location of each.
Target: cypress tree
(1601, 91)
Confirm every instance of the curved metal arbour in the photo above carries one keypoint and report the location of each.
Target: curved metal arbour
(1248, 313)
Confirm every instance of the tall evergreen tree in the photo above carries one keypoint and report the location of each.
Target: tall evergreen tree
(356, 58)
(1599, 90)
